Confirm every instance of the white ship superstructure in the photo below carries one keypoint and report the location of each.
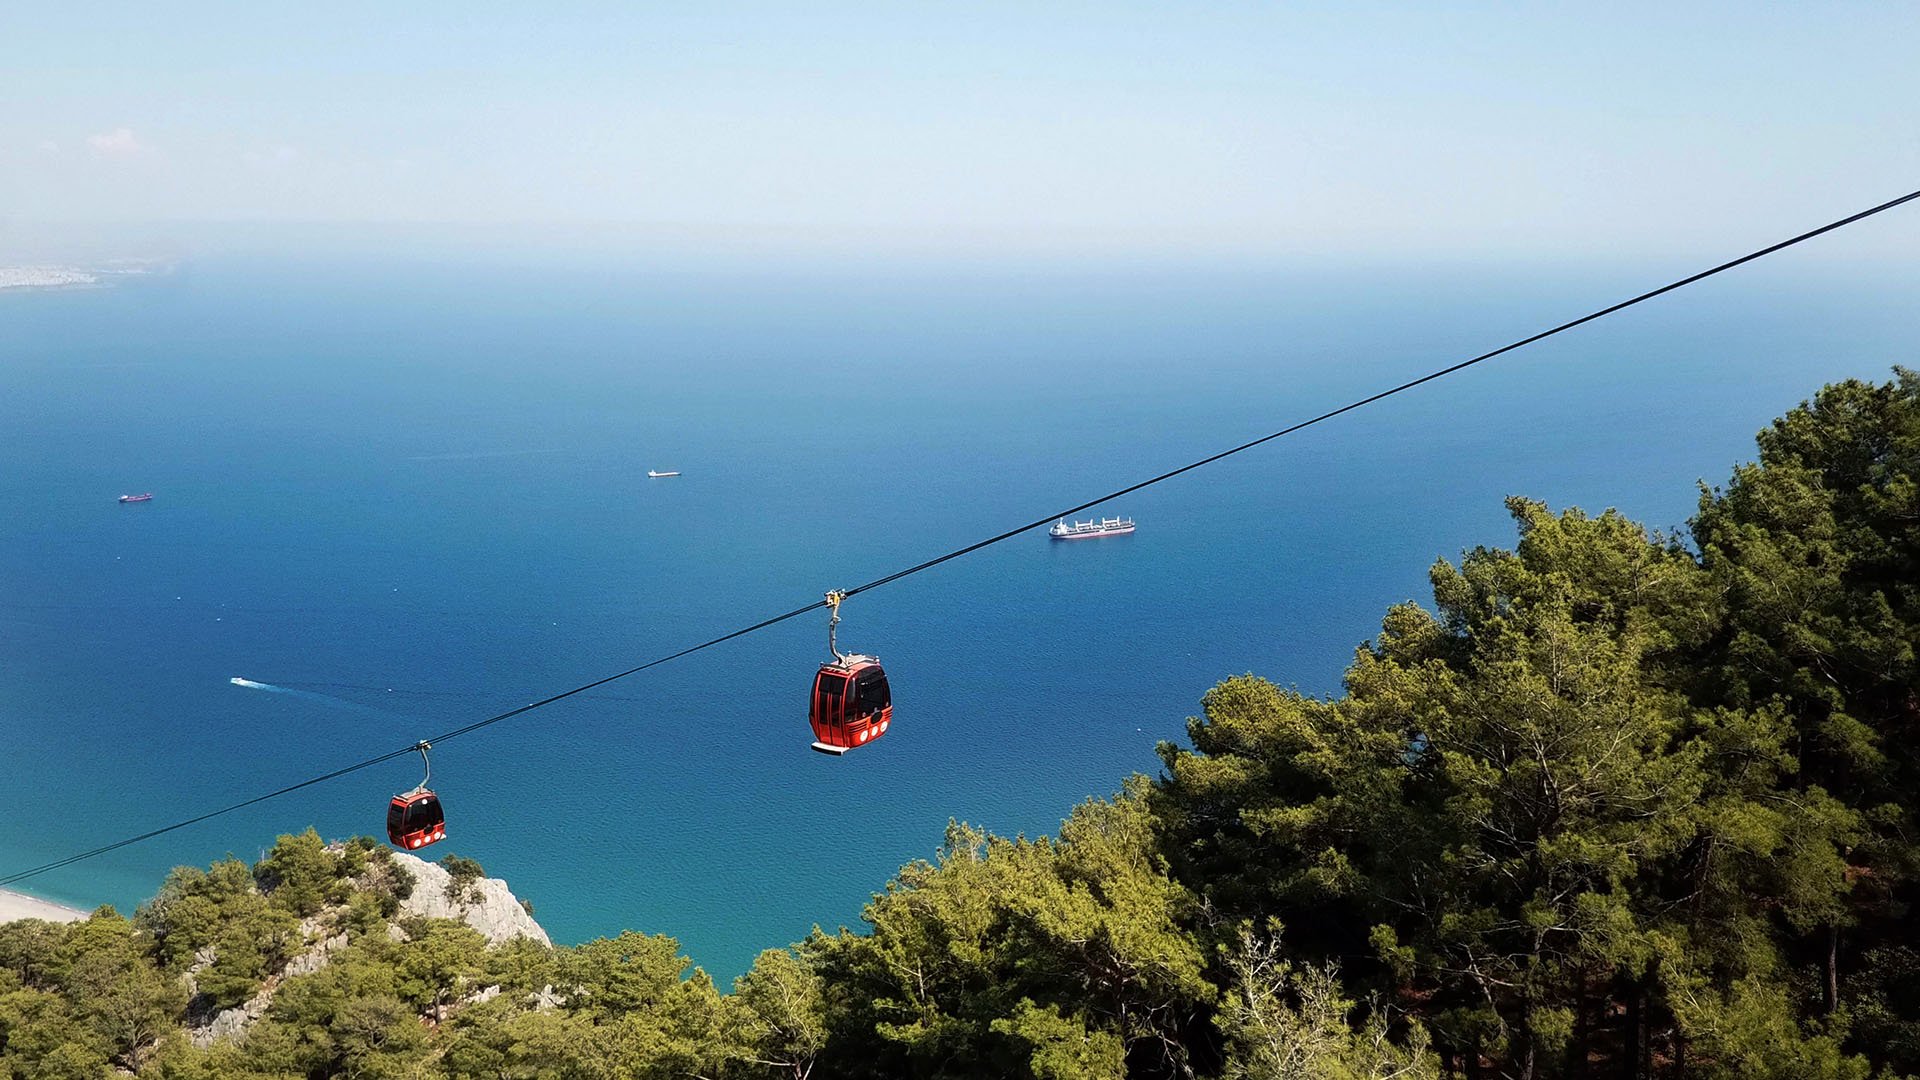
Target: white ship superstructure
(1087, 530)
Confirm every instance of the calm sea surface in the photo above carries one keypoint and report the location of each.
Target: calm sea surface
(413, 496)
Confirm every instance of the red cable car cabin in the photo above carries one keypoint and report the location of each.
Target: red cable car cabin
(415, 820)
(851, 704)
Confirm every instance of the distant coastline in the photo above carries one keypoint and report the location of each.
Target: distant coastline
(47, 276)
(15, 905)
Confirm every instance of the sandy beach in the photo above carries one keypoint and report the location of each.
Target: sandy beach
(15, 906)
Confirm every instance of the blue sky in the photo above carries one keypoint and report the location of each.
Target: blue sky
(1187, 129)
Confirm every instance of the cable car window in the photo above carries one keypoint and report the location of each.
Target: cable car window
(833, 685)
(424, 815)
(396, 816)
(873, 693)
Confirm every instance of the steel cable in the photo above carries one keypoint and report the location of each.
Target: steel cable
(978, 545)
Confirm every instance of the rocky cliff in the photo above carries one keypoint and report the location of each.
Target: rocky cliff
(485, 904)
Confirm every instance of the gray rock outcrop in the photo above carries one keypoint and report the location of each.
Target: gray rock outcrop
(487, 904)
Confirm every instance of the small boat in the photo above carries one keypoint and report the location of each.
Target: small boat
(657, 475)
(1084, 530)
(137, 498)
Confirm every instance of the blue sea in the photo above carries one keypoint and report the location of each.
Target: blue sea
(407, 494)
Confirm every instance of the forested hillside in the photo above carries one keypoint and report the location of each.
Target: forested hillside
(1617, 804)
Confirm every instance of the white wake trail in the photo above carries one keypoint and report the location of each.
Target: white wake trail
(323, 699)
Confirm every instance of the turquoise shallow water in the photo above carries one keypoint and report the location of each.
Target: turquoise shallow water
(414, 496)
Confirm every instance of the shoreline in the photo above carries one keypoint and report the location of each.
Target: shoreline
(47, 277)
(15, 905)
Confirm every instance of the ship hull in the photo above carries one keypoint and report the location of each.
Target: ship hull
(1092, 535)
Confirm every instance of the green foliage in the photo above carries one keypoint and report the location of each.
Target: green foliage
(1748, 1031)
(462, 875)
(625, 973)
(116, 989)
(1518, 808)
(383, 876)
(1613, 800)
(41, 1036)
(440, 965)
(255, 940)
(1884, 1000)
(528, 1046)
(30, 952)
(1817, 548)
(193, 906)
(1286, 1023)
(964, 950)
(779, 1012)
(218, 925)
(301, 875)
(1063, 1046)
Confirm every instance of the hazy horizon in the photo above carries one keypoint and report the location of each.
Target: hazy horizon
(998, 131)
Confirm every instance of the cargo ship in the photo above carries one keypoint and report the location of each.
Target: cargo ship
(137, 498)
(657, 475)
(1086, 530)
